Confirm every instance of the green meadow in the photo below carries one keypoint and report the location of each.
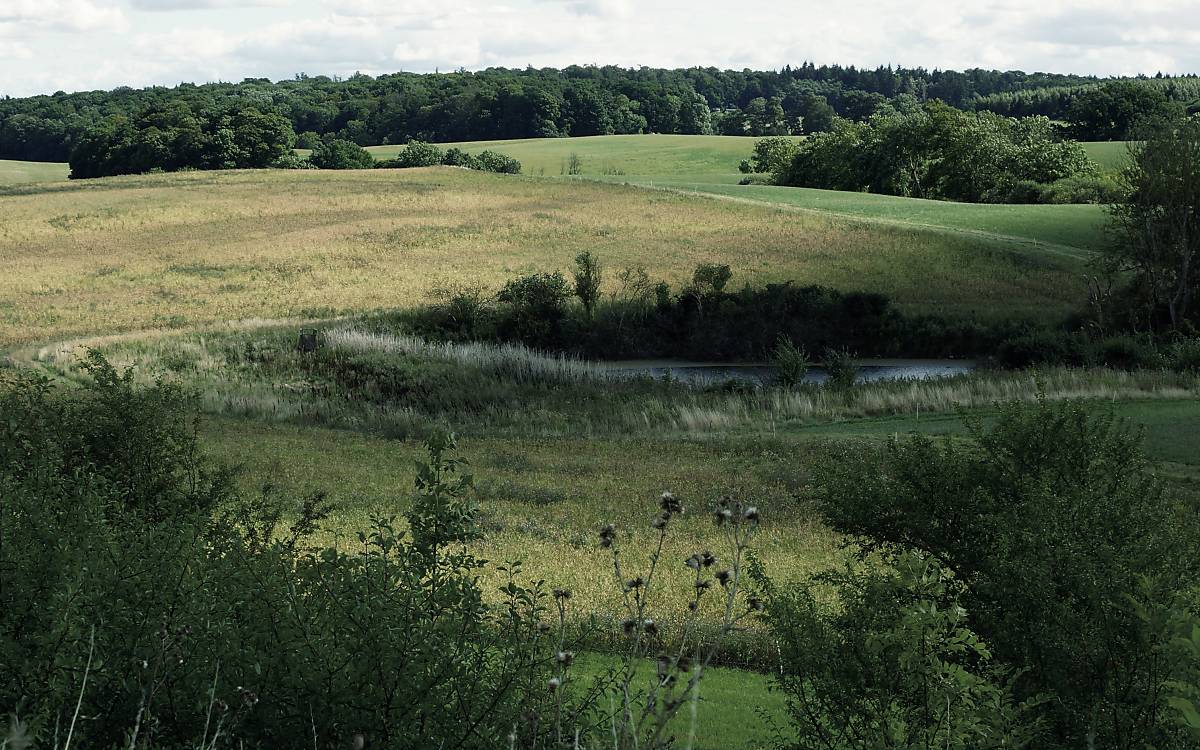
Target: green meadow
(24, 172)
(205, 278)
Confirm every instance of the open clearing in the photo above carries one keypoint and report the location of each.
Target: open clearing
(24, 172)
(679, 156)
(1110, 156)
(178, 250)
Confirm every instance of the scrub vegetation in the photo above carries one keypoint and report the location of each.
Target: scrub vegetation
(350, 457)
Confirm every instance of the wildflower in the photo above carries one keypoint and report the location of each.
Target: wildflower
(608, 532)
(722, 516)
(554, 684)
(755, 604)
(565, 658)
(650, 626)
(703, 585)
(692, 606)
(724, 577)
(670, 504)
(751, 514)
(543, 627)
(629, 626)
(248, 696)
(708, 559)
(563, 594)
(660, 523)
(634, 583)
(693, 562)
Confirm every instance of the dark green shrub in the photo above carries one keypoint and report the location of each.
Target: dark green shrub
(773, 154)
(588, 275)
(462, 312)
(292, 161)
(1127, 353)
(840, 368)
(335, 153)
(791, 363)
(217, 625)
(456, 157)
(535, 308)
(1034, 523)
(308, 139)
(1085, 188)
(419, 154)
(490, 161)
(892, 661)
(1184, 356)
(1044, 347)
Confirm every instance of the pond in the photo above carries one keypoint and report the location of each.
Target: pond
(709, 373)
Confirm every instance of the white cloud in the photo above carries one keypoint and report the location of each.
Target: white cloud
(62, 15)
(232, 39)
(14, 51)
(167, 5)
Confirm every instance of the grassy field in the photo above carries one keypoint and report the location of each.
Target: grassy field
(24, 172)
(651, 156)
(179, 250)
(1070, 230)
(1110, 156)
(708, 164)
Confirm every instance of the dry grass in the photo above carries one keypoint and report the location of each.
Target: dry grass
(176, 251)
(543, 500)
(513, 360)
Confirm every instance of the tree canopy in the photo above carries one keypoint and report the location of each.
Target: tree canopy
(499, 103)
(935, 151)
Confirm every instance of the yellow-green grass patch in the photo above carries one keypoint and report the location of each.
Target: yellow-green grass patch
(543, 500)
(179, 250)
(24, 172)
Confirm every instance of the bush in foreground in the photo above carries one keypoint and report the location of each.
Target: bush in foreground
(179, 614)
(1062, 547)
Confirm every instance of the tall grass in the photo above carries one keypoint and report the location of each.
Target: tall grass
(514, 361)
(520, 391)
(900, 397)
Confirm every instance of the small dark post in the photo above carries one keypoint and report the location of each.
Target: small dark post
(308, 340)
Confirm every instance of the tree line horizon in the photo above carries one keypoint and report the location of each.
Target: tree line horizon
(501, 103)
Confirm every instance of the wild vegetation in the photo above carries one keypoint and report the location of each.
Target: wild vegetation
(192, 249)
(274, 482)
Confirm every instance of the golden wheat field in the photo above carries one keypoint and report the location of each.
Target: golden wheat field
(179, 250)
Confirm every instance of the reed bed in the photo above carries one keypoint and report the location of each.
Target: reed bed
(514, 361)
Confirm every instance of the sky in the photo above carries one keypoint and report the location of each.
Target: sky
(73, 45)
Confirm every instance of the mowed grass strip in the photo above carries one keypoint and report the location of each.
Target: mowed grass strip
(24, 172)
(1072, 230)
(646, 155)
(176, 250)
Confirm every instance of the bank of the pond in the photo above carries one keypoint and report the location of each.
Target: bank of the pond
(761, 373)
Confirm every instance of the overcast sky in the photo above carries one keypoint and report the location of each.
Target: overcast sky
(50, 45)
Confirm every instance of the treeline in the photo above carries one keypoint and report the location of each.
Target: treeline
(176, 138)
(499, 103)
(936, 151)
(1100, 111)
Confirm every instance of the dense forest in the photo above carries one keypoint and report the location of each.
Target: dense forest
(501, 103)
